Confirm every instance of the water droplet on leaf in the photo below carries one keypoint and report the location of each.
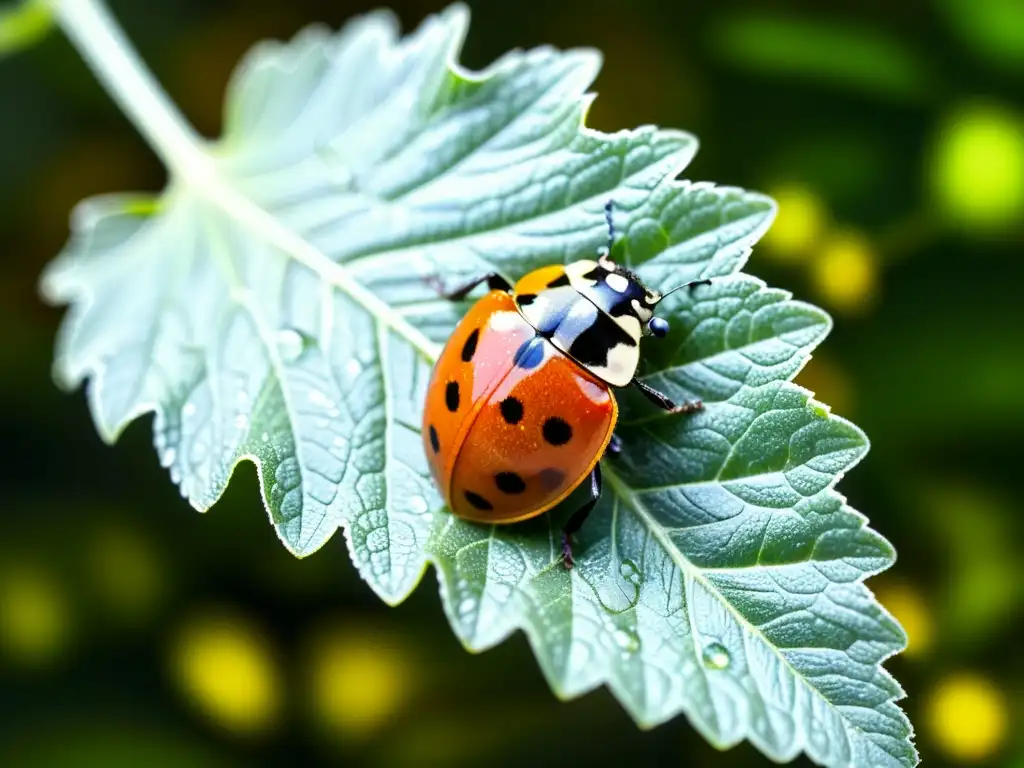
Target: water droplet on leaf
(716, 656)
(316, 397)
(289, 344)
(626, 640)
(629, 571)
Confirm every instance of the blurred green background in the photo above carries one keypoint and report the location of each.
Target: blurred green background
(134, 631)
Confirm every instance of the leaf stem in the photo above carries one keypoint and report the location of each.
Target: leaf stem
(100, 41)
(109, 54)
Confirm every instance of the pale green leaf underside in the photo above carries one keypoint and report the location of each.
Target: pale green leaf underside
(720, 576)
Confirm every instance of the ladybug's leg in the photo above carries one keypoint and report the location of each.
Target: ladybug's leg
(576, 521)
(495, 282)
(663, 401)
(614, 446)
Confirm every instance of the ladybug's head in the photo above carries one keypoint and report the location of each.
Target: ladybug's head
(628, 295)
(635, 298)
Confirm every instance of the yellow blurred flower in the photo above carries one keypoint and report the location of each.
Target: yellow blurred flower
(910, 609)
(226, 669)
(967, 716)
(360, 678)
(845, 272)
(976, 169)
(800, 222)
(34, 616)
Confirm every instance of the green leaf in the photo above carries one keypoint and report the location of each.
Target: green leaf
(837, 54)
(993, 29)
(280, 303)
(23, 24)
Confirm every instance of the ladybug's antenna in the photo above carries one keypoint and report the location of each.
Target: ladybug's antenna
(690, 284)
(611, 226)
(604, 257)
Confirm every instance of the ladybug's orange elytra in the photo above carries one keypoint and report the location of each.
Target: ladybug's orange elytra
(511, 441)
(520, 407)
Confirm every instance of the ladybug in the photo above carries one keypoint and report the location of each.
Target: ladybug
(519, 408)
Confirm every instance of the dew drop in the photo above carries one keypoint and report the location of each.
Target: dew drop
(629, 571)
(316, 397)
(265, 437)
(338, 442)
(241, 421)
(289, 344)
(353, 367)
(242, 397)
(716, 656)
(627, 641)
(466, 606)
(417, 505)
(168, 457)
(189, 410)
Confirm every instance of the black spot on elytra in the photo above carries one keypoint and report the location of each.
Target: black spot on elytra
(478, 501)
(560, 281)
(556, 431)
(551, 478)
(525, 299)
(434, 442)
(511, 410)
(509, 482)
(469, 348)
(530, 353)
(451, 396)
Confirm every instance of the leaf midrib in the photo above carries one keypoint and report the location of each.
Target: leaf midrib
(203, 180)
(624, 492)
